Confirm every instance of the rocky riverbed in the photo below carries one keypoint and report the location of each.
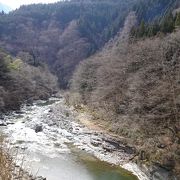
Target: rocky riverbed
(48, 130)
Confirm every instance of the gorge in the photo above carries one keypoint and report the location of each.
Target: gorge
(91, 88)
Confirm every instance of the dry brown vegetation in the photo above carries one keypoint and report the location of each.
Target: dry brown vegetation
(8, 169)
(20, 82)
(5, 164)
(64, 33)
(136, 87)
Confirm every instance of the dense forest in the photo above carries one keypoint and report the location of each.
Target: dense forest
(118, 58)
(62, 34)
(165, 24)
(65, 33)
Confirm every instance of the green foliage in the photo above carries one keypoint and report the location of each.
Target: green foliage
(101, 21)
(156, 16)
(142, 29)
(7, 63)
(15, 64)
(20, 82)
(177, 22)
(167, 24)
(153, 9)
(5, 60)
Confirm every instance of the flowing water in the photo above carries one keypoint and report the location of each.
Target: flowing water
(62, 150)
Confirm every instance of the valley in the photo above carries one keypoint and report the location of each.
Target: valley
(90, 89)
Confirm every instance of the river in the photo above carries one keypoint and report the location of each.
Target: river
(52, 144)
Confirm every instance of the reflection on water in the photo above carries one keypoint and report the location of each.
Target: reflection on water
(103, 171)
(77, 166)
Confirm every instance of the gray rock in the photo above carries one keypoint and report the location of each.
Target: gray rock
(38, 128)
(10, 123)
(40, 178)
(161, 146)
(19, 112)
(169, 163)
(142, 155)
(162, 174)
(108, 147)
(50, 110)
(96, 141)
(3, 123)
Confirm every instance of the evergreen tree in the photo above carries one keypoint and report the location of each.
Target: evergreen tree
(2, 13)
(150, 31)
(167, 24)
(177, 22)
(142, 29)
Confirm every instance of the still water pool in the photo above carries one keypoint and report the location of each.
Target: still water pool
(81, 166)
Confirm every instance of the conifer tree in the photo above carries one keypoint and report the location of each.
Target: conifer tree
(177, 22)
(142, 29)
(167, 25)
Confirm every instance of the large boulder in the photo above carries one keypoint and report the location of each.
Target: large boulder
(38, 128)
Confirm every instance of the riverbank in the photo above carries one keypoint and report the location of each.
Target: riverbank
(138, 164)
(46, 132)
(52, 127)
(9, 167)
(84, 117)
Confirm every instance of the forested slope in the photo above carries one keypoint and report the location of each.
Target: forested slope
(129, 74)
(20, 82)
(65, 33)
(134, 85)
(62, 34)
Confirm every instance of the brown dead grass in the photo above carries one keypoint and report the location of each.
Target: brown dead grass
(6, 164)
(8, 168)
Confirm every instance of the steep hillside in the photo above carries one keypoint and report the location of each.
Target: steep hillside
(65, 33)
(154, 9)
(123, 60)
(20, 82)
(165, 22)
(62, 34)
(134, 86)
